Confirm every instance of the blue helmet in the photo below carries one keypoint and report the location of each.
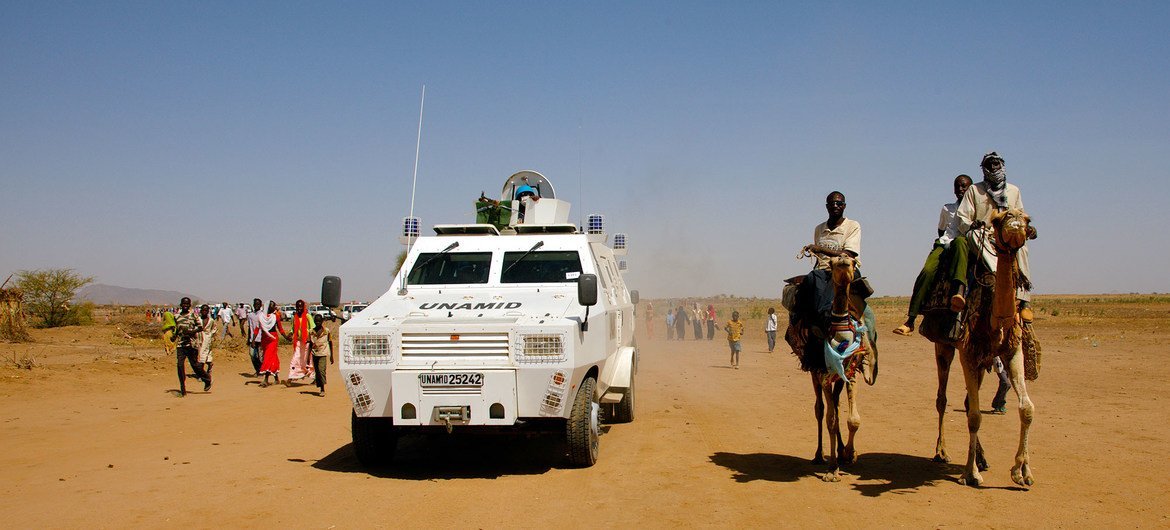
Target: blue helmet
(524, 189)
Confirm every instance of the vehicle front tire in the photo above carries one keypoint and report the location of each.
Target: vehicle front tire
(583, 429)
(374, 440)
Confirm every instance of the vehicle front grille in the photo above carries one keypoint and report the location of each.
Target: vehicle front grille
(452, 391)
(442, 345)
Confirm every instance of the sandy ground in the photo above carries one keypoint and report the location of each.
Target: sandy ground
(95, 437)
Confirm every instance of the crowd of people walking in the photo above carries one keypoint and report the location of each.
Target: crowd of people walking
(193, 336)
(677, 320)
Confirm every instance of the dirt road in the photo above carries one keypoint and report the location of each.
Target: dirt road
(94, 437)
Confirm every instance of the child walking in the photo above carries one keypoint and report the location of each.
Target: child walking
(319, 341)
(770, 326)
(734, 329)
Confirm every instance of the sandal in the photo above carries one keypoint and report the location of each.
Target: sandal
(904, 330)
(958, 303)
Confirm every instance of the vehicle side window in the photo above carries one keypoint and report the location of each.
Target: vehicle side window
(557, 266)
(434, 268)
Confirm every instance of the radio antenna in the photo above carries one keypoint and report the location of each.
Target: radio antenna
(580, 190)
(417, 144)
(410, 225)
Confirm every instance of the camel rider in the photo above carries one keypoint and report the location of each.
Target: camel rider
(837, 236)
(993, 194)
(946, 233)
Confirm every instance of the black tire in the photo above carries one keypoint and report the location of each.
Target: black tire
(374, 440)
(583, 429)
(623, 411)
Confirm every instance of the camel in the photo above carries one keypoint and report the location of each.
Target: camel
(848, 334)
(992, 328)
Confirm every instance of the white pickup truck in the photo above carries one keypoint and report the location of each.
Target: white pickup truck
(502, 325)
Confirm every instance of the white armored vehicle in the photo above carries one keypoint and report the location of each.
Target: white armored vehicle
(521, 321)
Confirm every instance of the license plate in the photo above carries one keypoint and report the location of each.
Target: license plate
(451, 379)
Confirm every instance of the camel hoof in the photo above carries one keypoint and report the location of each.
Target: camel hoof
(971, 479)
(848, 457)
(831, 476)
(1023, 476)
(982, 465)
(941, 458)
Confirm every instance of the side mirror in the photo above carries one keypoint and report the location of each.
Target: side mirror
(634, 297)
(587, 290)
(331, 292)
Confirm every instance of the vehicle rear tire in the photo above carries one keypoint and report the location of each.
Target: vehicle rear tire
(623, 411)
(583, 429)
(374, 440)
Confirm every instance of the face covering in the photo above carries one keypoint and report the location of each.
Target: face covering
(996, 186)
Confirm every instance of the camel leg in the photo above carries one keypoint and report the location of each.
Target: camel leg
(819, 412)
(1021, 472)
(833, 420)
(944, 355)
(849, 456)
(837, 431)
(980, 460)
(973, 376)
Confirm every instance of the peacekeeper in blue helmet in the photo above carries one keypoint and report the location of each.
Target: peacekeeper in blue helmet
(521, 193)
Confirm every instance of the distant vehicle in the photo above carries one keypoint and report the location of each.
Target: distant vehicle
(349, 311)
(320, 311)
(288, 311)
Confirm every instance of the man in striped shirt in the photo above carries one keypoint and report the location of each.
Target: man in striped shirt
(188, 335)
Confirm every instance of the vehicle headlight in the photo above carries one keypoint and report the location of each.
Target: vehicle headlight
(367, 349)
(540, 347)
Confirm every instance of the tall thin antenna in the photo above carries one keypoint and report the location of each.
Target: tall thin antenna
(414, 181)
(417, 144)
(580, 192)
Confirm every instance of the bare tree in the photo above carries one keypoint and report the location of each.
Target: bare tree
(47, 293)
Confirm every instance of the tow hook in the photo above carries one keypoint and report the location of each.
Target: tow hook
(446, 415)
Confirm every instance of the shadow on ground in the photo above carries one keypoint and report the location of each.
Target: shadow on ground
(876, 473)
(766, 466)
(899, 473)
(441, 456)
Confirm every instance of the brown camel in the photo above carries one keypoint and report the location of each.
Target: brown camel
(846, 330)
(991, 329)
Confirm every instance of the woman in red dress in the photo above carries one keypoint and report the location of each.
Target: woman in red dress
(269, 327)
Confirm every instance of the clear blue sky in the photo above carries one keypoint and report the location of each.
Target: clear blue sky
(240, 149)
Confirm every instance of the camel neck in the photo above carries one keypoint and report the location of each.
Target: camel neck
(1003, 309)
(840, 305)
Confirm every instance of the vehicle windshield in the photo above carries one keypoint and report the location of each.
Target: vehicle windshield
(557, 266)
(434, 268)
